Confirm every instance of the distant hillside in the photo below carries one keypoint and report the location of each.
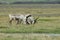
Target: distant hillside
(28, 1)
(35, 3)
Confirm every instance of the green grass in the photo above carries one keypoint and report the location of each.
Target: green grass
(30, 8)
(43, 25)
(28, 37)
(50, 24)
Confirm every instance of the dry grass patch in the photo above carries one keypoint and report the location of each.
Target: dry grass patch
(31, 36)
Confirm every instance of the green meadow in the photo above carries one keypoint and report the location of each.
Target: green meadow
(32, 36)
(44, 24)
(47, 23)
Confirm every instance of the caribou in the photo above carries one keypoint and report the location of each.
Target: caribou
(30, 19)
(25, 19)
(16, 17)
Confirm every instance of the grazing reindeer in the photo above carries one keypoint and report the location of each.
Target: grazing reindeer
(18, 18)
(30, 19)
(25, 19)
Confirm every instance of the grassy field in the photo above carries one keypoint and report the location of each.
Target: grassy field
(4, 36)
(30, 8)
(45, 24)
(49, 24)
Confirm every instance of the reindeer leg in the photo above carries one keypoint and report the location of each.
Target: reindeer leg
(10, 21)
(17, 20)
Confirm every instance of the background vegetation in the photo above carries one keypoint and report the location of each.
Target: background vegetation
(28, 1)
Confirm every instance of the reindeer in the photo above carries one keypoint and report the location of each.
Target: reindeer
(16, 17)
(30, 19)
(25, 19)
